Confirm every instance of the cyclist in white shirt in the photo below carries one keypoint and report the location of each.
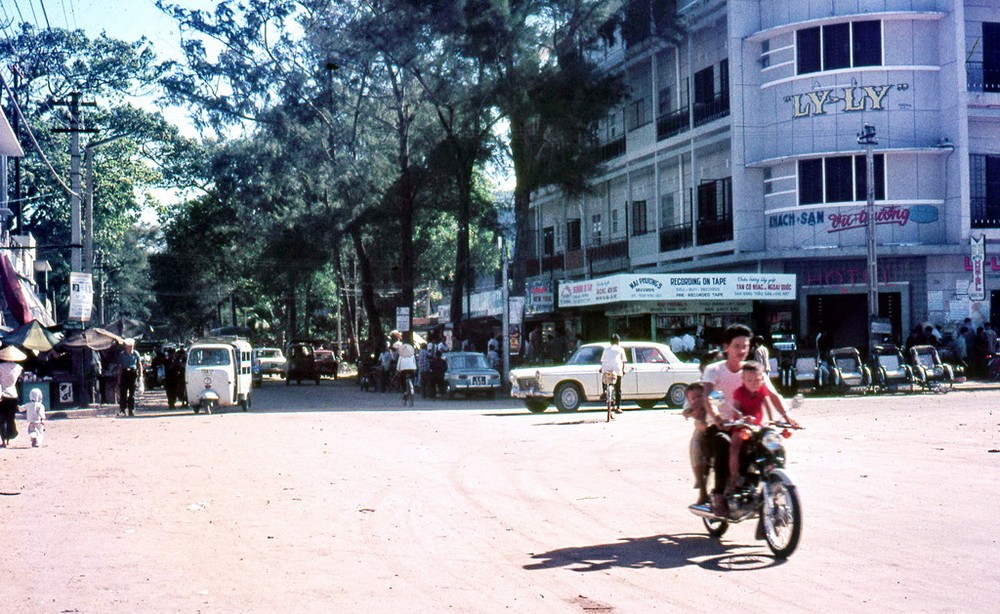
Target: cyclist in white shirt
(613, 364)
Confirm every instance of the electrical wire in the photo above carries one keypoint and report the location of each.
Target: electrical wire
(27, 127)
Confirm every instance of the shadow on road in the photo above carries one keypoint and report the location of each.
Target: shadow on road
(657, 551)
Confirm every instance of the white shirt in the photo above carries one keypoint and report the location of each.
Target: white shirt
(9, 372)
(726, 382)
(613, 360)
(407, 360)
(35, 411)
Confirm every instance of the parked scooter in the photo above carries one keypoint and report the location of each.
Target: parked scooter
(766, 491)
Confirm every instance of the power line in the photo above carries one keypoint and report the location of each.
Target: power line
(34, 141)
(45, 14)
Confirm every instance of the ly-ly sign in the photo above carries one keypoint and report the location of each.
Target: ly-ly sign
(845, 99)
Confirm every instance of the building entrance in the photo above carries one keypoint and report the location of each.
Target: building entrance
(844, 317)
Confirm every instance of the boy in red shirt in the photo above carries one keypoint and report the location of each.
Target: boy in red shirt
(751, 399)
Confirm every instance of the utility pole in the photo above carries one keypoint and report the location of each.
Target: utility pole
(74, 130)
(867, 138)
(505, 320)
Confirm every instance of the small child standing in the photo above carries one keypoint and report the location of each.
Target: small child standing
(35, 411)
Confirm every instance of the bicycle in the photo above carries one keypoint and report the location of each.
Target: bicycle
(609, 380)
(407, 387)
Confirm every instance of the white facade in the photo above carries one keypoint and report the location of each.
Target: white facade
(738, 151)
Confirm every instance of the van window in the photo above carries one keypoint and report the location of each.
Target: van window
(208, 357)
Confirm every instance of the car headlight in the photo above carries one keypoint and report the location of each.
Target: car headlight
(495, 376)
(772, 441)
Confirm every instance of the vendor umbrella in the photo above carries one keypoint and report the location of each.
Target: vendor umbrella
(93, 338)
(32, 336)
(128, 327)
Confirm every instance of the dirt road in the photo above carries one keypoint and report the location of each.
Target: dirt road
(328, 499)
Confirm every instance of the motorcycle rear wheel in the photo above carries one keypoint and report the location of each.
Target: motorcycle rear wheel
(715, 528)
(781, 515)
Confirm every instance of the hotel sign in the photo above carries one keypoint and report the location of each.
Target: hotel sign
(677, 287)
(844, 99)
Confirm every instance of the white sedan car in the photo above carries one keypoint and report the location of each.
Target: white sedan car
(652, 374)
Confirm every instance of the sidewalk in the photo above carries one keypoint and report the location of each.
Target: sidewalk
(153, 399)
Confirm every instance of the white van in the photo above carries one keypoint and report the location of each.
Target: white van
(218, 373)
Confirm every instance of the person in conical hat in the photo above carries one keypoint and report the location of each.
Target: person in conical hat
(10, 372)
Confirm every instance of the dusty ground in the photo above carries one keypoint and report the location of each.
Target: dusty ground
(328, 499)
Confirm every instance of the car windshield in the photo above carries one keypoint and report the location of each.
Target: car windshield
(268, 354)
(472, 361)
(587, 355)
(202, 357)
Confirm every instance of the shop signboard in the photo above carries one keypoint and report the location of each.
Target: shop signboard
(489, 303)
(402, 319)
(540, 297)
(677, 287)
(679, 308)
(977, 289)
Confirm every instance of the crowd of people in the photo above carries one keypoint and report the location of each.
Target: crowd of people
(963, 344)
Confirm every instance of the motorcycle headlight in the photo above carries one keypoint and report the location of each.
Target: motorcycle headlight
(772, 441)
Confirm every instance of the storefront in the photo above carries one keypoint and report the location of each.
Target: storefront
(663, 307)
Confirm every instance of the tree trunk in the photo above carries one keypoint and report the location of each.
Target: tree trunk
(463, 250)
(346, 304)
(523, 173)
(375, 331)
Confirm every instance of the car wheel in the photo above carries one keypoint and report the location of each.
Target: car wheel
(491, 395)
(646, 403)
(675, 396)
(568, 397)
(535, 406)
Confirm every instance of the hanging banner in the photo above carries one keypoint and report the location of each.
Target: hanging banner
(977, 289)
(81, 296)
(675, 287)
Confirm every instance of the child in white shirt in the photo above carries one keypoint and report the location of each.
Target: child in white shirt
(35, 411)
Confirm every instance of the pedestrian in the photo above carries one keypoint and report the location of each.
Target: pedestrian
(94, 372)
(424, 369)
(130, 371)
(10, 372)
(760, 353)
(406, 365)
(35, 413)
(173, 377)
(991, 336)
(613, 361)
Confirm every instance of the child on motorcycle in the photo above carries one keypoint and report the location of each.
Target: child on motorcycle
(751, 399)
(698, 408)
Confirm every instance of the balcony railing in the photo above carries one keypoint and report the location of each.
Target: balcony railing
(611, 150)
(984, 213)
(672, 123)
(980, 79)
(709, 110)
(608, 251)
(715, 231)
(676, 237)
(552, 263)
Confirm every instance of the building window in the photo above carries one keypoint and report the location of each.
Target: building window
(637, 114)
(572, 235)
(711, 93)
(839, 179)
(991, 57)
(715, 211)
(984, 191)
(639, 218)
(615, 228)
(596, 229)
(841, 45)
(548, 241)
(768, 176)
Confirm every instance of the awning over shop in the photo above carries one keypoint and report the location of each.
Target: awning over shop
(19, 299)
(629, 287)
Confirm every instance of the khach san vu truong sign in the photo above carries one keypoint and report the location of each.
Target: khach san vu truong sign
(677, 287)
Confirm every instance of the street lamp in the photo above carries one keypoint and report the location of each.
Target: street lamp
(867, 138)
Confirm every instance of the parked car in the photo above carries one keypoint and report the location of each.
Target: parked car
(267, 361)
(652, 374)
(469, 373)
(301, 364)
(327, 363)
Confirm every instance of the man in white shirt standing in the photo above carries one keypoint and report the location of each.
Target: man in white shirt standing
(613, 364)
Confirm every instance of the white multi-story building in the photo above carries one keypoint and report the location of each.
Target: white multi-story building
(737, 151)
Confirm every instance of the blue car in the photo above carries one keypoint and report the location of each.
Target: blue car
(469, 373)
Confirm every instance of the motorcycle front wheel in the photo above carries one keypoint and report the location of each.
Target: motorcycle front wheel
(781, 515)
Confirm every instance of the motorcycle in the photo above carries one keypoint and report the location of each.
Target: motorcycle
(765, 492)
